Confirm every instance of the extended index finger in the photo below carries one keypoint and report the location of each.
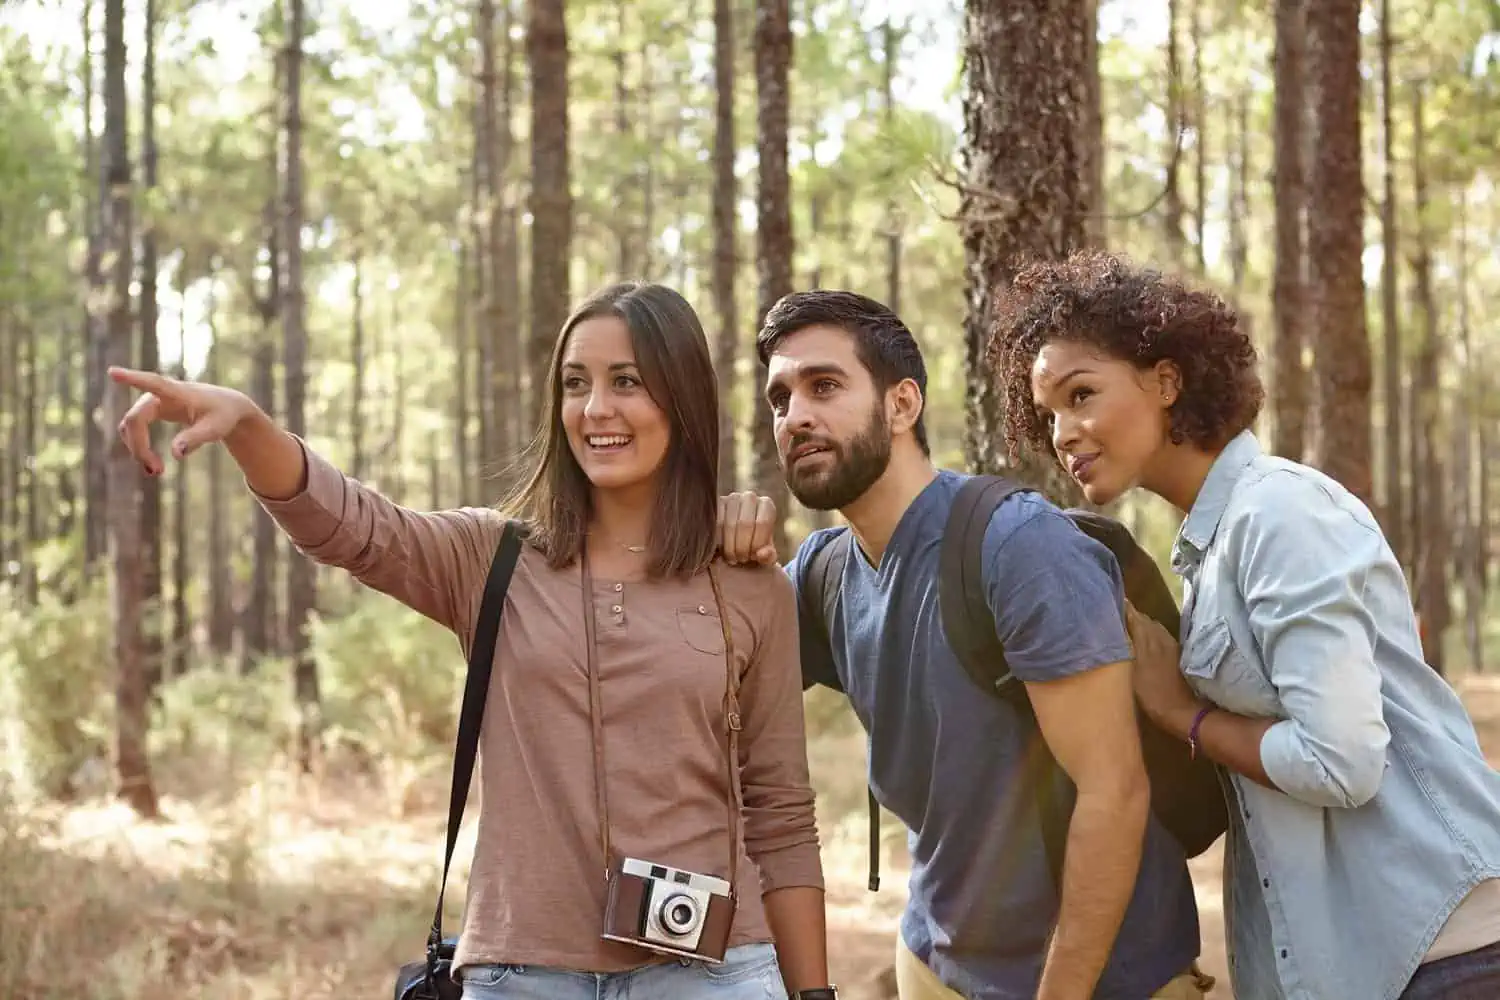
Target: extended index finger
(142, 380)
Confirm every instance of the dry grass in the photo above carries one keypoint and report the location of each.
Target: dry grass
(312, 890)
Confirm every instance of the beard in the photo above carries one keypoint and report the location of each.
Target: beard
(856, 466)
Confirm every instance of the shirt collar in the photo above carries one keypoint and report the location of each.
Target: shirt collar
(1213, 499)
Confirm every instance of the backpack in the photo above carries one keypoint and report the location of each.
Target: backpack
(1186, 795)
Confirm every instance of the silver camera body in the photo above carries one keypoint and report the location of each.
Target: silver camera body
(669, 910)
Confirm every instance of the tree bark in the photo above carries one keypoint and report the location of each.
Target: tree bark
(1336, 246)
(893, 218)
(1432, 543)
(96, 430)
(182, 627)
(773, 230)
(151, 559)
(1176, 127)
(132, 766)
(301, 582)
(357, 458)
(1026, 190)
(551, 192)
(220, 585)
(1392, 508)
(726, 256)
(1289, 379)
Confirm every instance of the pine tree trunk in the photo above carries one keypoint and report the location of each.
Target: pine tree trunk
(726, 256)
(517, 417)
(1289, 381)
(1176, 127)
(551, 192)
(221, 618)
(301, 583)
(357, 361)
(182, 627)
(1432, 544)
(132, 766)
(1392, 508)
(260, 612)
(96, 431)
(1026, 187)
(773, 231)
(151, 584)
(1335, 238)
(893, 218)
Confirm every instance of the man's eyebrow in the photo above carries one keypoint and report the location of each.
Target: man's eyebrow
(803, 374)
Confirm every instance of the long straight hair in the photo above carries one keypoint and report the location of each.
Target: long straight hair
(671, 350)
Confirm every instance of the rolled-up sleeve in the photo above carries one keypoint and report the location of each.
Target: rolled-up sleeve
(1302, 564)
(431, 562)
(781, 830)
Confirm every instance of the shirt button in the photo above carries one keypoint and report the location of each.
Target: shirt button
(617, 609)
(702, 610)
(619, 587)
(1265, 883)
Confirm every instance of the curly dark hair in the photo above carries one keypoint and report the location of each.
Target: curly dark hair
(1134, 314)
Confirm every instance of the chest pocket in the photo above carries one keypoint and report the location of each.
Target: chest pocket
(1217, 670)
(701, 628)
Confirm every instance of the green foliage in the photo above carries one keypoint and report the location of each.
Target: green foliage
(391, 681)
(229, 726)
(56, 688)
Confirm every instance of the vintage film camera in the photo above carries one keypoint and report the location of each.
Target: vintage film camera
(667, 910)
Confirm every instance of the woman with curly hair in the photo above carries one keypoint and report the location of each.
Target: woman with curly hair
(1363, 855)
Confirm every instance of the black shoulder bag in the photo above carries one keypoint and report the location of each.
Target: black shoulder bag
(430, 979)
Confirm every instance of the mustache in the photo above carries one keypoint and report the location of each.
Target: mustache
(808, 439)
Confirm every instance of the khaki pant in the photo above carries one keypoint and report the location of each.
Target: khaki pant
(915, 981)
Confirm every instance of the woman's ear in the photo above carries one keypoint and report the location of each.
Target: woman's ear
(1168, 379)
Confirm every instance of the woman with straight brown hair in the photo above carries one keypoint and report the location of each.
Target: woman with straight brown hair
(630, 660)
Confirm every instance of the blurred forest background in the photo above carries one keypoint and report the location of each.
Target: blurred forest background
(222, 769)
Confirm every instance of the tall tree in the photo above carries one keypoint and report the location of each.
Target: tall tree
(726, 256)
(96, 432)
(1025, 193)
(551, 190)
(151, 565)
(773, 228)
(1335, 243)
(1431, 495)
(133, 767)
(1392, 508)
(300, 585)
(1288, 371)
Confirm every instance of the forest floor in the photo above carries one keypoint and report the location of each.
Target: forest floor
(285, 891)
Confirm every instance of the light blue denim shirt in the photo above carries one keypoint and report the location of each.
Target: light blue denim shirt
(1388, 814)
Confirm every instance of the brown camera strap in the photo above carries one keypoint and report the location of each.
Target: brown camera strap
(731, 716)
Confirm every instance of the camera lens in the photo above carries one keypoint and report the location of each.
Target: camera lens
(679, 914)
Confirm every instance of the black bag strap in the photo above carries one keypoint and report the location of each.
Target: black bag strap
(476, 686)
(967, 620)
(969, 625)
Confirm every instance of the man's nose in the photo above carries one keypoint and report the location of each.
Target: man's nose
(799, 414)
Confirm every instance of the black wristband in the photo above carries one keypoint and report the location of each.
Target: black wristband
(821, 993)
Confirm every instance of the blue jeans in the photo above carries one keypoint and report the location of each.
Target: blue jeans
(748, 972)
(1474, 975)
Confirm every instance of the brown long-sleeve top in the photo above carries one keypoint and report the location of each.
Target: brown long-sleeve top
(536, 886)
